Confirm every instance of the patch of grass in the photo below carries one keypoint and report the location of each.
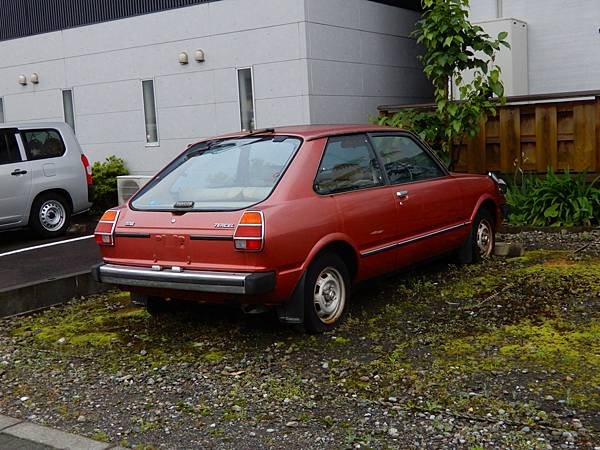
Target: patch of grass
(214, 356)
(472, 287)
(100, 436)
(340, 340)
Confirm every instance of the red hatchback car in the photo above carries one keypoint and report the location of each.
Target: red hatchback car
(292, 218)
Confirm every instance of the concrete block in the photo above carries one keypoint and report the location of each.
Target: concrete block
(508, 249)
(54, 438)
(21, 299)
(6, 422)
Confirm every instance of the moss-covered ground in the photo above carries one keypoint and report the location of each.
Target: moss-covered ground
(509, 340)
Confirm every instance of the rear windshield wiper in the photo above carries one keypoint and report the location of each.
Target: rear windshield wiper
(183, 205)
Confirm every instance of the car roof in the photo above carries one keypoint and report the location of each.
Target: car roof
(32, 125)
(312, 132)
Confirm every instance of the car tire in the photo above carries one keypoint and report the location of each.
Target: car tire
(154, 305)
(481, 241)
(50, 215)
(327, 293)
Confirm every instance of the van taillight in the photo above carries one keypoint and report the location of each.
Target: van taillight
(88, 170)
(105, 230)
(249, 235)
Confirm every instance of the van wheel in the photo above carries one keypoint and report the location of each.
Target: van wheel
(481, 241)
(327, 293)
(50, 215)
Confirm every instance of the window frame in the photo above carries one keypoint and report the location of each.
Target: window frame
(16, 135)
(423, 146)
(74, 126)
(26, 143)
(237, 73)
(146, 143)
(384, 179)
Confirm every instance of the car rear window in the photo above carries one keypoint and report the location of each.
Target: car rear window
(43, 144)
(9, 150)
(348, 164)
(228, 174)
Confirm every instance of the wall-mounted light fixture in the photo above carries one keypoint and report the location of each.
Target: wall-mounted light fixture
(183, 58)
(199, 56)
(35, 78)
(22, 80)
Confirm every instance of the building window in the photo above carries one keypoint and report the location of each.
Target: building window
(150, 112)
(1, 110)
(246, 89)
(68, 111)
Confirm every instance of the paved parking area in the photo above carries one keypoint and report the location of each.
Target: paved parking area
(26, 259)
(38, 273)
(49, 261)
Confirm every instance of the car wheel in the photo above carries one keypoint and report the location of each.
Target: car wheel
(481, 241)
(327, 293)
(50, 215)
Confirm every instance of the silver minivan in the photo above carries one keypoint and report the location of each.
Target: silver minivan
(44, 177)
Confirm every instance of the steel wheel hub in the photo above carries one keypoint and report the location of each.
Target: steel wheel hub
(485, 238)
(329, 295)
(52, 215)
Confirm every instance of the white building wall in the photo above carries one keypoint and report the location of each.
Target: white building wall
(337, 66)
(563, 40)
(360, 56)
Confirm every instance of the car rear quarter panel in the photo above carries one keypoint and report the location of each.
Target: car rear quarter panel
(476, 191)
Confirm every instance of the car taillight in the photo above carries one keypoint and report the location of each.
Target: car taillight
(249, 235)
(105, 230)
(88, 170)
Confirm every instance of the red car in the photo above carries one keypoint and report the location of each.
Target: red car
(293, 218)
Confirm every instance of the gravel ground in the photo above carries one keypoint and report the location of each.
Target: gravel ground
(505, 354)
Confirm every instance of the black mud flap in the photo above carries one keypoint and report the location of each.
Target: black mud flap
(95, 272)
(292, 311)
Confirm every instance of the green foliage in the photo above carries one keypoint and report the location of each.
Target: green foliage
(426, 124)
(556, 201)
(454, 47)
(105, 182)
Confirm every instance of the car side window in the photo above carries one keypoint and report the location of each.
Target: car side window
(405, 161)
(9, 149)
(348, 164)
(43, 144)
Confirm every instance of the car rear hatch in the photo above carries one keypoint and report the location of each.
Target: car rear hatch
(188, 214)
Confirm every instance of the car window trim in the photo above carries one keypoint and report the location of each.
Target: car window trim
(428, 151)
(22, 132)
(161, 173)
(14, 132)
(371, 149)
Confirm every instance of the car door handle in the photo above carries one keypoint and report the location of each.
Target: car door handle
(18, 172)
(402, 194)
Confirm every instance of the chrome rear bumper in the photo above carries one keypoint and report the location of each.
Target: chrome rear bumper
(186, 280)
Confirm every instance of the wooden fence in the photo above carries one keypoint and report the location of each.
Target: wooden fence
(535, 132)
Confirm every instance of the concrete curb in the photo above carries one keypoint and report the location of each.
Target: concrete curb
(50, 437)
(28, 298)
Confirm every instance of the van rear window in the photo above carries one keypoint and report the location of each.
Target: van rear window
(43, 144)
(228, 174)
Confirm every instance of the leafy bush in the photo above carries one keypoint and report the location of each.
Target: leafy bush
(105, 182)
(555, 201)
(453, 47)
(426, 124)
